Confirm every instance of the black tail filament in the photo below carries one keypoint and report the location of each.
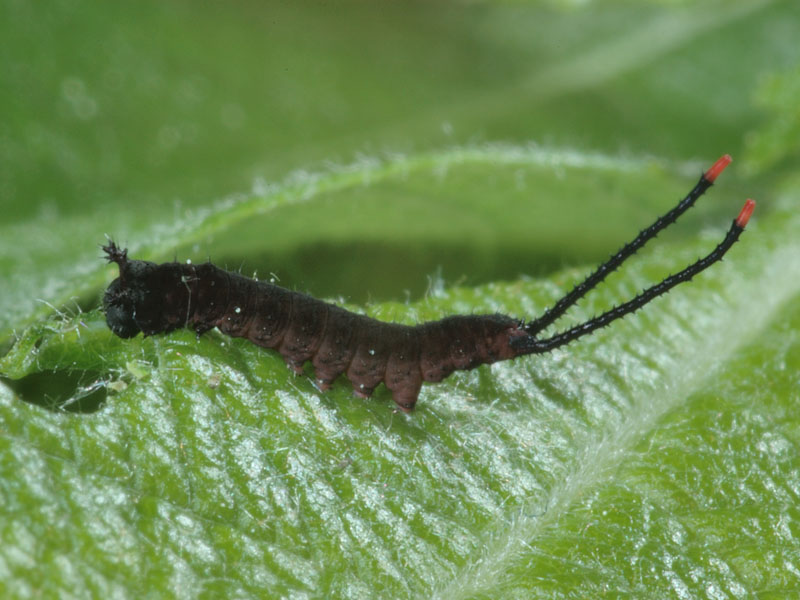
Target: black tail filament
(532, 345)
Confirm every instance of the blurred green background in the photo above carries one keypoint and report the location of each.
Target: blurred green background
(420, 159)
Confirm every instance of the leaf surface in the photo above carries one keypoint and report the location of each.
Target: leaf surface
(655, 458)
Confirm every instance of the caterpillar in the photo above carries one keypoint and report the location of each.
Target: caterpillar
(158, 298)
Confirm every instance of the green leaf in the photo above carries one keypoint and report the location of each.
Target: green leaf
(414, 162)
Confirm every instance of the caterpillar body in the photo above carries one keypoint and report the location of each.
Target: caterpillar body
(158, 298)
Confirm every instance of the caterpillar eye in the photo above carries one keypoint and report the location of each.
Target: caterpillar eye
(119, 311)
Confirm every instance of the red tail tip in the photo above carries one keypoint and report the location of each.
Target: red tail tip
(717, 168)
(747, 210)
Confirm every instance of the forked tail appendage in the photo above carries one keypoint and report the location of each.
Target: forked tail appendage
(533, 345)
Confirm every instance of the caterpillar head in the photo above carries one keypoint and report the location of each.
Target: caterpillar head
(120, 310)
(124, 299)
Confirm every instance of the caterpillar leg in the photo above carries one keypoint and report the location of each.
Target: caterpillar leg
(362, 391)
(294, 366)
(322, 385)
(405, 393)
(405, 402)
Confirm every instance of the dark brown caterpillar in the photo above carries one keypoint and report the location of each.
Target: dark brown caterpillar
(154, 298)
